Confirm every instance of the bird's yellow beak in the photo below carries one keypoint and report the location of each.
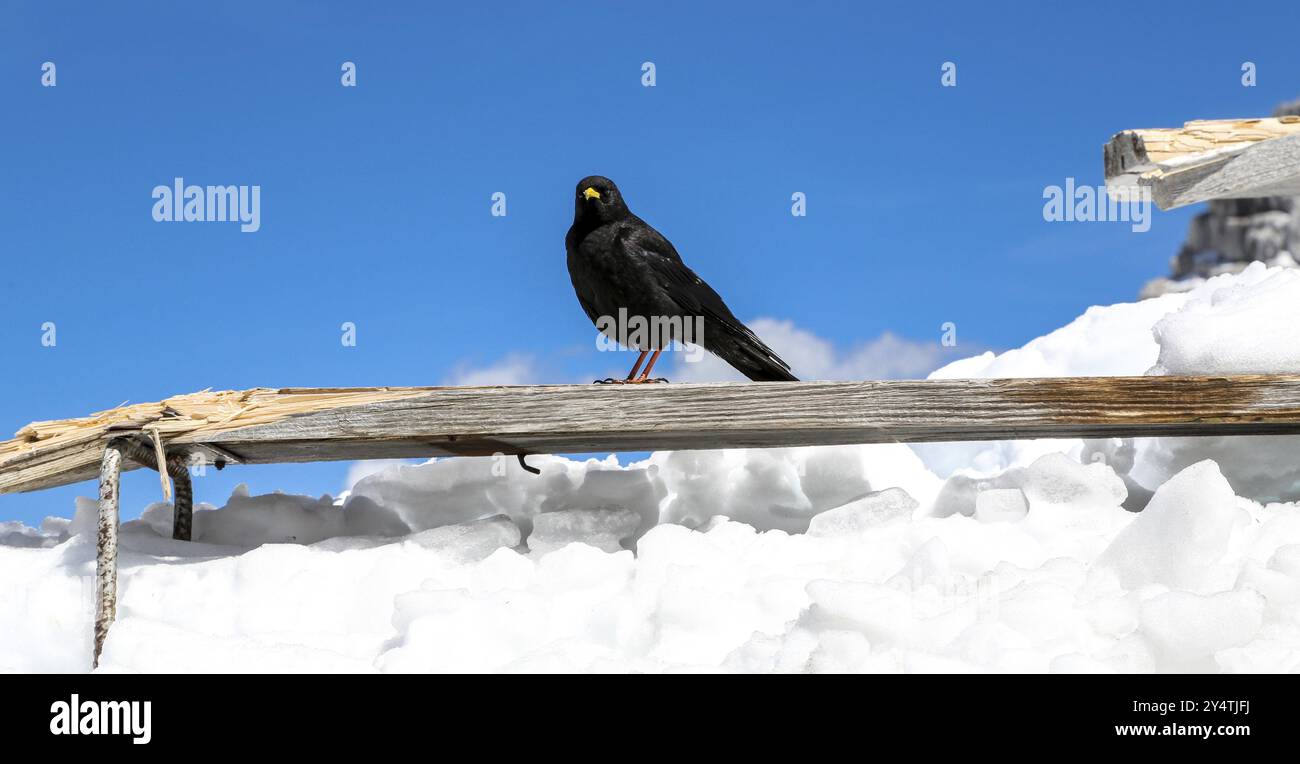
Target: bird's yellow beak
(590, 193)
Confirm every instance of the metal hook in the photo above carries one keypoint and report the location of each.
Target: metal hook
(524, 464)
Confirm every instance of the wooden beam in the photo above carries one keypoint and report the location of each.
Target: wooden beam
(1207, 159)
(374, 423)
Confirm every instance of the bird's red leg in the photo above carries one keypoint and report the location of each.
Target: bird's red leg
(646, 374)
(631, 375)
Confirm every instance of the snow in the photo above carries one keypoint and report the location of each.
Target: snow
(605, 529)
(1183, 535)
(1190, 628)
(1001, 504)
(876, 508)
(1238, 323)
(1015, 556)
(1240, 327)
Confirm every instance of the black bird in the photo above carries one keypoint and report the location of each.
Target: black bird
(622, 268)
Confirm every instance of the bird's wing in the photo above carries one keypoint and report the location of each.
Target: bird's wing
(588, 308)
(646, 245)
(689, 291)
(643, 236)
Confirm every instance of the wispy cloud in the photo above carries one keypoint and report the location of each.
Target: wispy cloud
(887, 356)
(512, 369)
(812, 357)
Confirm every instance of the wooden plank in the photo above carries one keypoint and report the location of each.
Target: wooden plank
(1207, 159)
(474, 421)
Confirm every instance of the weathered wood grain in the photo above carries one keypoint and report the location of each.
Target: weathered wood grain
(474, 421)
(1207, 159)
(106, 549)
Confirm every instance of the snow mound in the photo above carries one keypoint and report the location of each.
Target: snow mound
(1234, 323)
(1243, 326)
(768, 488)
(1059, 577)
(1024, 557)
(1183, 535)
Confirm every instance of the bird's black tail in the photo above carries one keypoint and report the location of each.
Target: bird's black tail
(741, 348)
(771, 373)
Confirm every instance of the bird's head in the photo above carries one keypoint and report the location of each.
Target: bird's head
(598, 199)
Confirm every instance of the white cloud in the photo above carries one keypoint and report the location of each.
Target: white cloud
(513, 369)
(812, 357)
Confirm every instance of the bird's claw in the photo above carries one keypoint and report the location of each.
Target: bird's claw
(610, 381)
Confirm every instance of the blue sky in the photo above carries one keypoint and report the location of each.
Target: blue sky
(924, 202)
